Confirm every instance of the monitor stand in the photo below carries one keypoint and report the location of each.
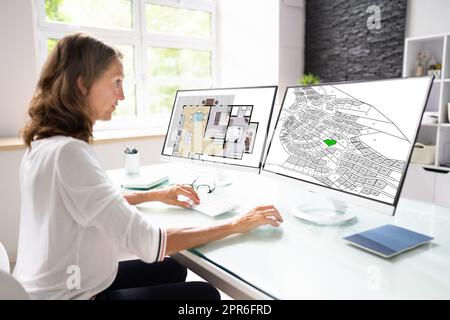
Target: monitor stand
(325, 212)
(221, 178)
(213, 177)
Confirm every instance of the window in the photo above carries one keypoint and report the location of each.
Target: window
(167, 45)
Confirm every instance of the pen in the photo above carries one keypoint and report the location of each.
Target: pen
(128, 151)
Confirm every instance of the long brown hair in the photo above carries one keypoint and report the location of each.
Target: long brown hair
(58, 106)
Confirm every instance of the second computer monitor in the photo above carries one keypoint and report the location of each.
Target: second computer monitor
(224, 126)
(354, 138)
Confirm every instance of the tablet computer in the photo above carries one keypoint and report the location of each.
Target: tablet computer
(388, 240)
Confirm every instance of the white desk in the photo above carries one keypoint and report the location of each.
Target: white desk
(305, 261)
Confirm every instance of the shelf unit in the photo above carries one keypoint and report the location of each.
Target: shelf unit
(431, 182)
(439, 134)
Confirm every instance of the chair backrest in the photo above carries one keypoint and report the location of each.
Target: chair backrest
(10, 288)
(4, 260)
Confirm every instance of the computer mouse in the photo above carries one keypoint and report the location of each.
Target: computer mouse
(323, 217)
(188, 200)
(267, 229)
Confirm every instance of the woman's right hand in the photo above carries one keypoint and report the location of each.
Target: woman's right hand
(258, 216)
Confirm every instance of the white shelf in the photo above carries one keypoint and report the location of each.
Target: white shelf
(426, 38)
(432, 167)
(429, 125)
(438, 46)
(425, 181)
(436, 125)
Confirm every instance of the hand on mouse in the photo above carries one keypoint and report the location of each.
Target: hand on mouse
(258, 216)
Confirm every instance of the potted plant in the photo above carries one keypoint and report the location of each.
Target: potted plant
(309, 79)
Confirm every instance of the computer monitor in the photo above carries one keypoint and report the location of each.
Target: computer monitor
(224, 128)
(350, 141)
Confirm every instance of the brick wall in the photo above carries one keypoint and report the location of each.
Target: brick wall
(340, 46)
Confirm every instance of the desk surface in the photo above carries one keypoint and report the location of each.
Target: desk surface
(305, 261)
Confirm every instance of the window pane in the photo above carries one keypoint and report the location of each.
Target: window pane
(162, 97)
(96, 13)
(169, 62)
(127, 107)
(176, 21)
(51, 44)
(128, 60)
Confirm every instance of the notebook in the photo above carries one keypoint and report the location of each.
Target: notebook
(388, 240)
(145, 182)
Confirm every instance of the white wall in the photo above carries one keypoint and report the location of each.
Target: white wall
(292, 43)
(247, 42)
(260, 42)
(427, 17)
(111, 154)
(10, 199)
(17, 64)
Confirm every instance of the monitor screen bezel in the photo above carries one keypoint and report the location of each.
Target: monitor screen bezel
(210, 162)
(317, 185)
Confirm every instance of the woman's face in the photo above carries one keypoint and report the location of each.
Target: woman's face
(106, 91)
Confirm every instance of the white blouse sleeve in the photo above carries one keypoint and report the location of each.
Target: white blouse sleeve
(93, 201)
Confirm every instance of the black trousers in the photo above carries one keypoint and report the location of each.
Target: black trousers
(165, 280)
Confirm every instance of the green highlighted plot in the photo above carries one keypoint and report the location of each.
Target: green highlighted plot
(329, 142)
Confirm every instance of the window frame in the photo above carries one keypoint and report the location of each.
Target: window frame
(141, 39)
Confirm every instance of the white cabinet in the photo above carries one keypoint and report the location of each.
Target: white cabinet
(442, 189)
(419, 184)
(427, 184)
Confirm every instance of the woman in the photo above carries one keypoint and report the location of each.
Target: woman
(73, 220)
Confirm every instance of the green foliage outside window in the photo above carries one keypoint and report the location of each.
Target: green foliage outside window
(161, 98)
(178, 21)
(97, 13)
(52, 10)
(51, 43)
(170, 62)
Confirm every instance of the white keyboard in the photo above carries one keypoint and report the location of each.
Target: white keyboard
(213, 205)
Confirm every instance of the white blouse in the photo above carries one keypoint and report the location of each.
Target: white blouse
(73, 222)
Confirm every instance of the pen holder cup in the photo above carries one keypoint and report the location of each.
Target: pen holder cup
(132, 164)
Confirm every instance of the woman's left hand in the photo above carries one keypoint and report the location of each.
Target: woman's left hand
(169, 195)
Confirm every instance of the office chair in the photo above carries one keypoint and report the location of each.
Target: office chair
(10, 288)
